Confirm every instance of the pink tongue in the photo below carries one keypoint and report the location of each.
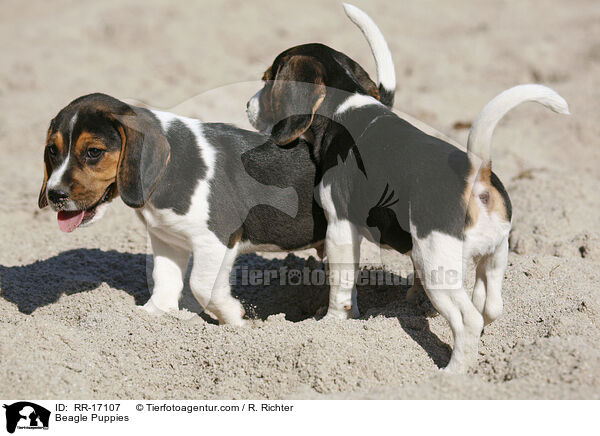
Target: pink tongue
(69, 221)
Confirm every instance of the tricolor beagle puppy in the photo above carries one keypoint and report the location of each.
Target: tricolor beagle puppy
(209, 189)
(385, 180)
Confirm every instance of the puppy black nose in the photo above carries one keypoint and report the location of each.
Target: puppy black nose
(56, 195)
(247, 104)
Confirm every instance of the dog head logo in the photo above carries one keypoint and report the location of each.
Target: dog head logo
(26, 415)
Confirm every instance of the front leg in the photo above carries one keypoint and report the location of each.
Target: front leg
(343, 254)
(170, 263)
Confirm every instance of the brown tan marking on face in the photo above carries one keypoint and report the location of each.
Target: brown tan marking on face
(314, 64)
(56, 138)
(92, 177)
(135, 157)
(323, 56)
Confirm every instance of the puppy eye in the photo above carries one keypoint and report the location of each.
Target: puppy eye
(94, 153)
(52, 149)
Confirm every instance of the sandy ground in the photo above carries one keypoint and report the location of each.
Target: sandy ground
(69, 326)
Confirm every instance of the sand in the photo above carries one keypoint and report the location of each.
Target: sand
(69, 325)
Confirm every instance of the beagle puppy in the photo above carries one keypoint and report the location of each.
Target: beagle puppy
(210, 189)
(384, 179)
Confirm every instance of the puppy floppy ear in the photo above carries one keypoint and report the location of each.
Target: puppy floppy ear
(298, 91)
(145, 153)
(43, 198)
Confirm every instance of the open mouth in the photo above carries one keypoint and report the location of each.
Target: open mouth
(68, 221)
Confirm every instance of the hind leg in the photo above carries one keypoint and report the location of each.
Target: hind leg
(495, 267)
(487, 293)
(439, 260)
(209, 282)
(479, 290)
(417, 297)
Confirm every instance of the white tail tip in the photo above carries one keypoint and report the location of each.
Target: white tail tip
(386, 75)
(480, 136)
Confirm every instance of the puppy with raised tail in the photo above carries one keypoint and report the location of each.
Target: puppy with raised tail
(204, 188)
(386, 180)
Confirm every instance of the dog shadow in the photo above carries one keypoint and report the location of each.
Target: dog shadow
(43, 282)
(294, 286)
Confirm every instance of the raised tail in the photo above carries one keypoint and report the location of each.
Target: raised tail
(480, 136)
(386, 76)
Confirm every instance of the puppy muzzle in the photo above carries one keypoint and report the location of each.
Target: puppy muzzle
(253, 113)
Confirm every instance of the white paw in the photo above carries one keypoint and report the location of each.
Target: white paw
(332, 313)
(491, 313)
(239, 322)
(229, 311)
(454, 369)
(153, 309)
(461, 364)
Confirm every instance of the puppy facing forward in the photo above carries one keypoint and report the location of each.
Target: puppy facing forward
(209, 189)
(384, 179)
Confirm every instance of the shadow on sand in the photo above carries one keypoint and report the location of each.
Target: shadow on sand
(42, 283)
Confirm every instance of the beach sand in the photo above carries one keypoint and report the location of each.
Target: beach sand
(69, 325)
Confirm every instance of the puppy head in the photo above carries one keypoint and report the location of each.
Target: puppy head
(298, 83)
(98, 147)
